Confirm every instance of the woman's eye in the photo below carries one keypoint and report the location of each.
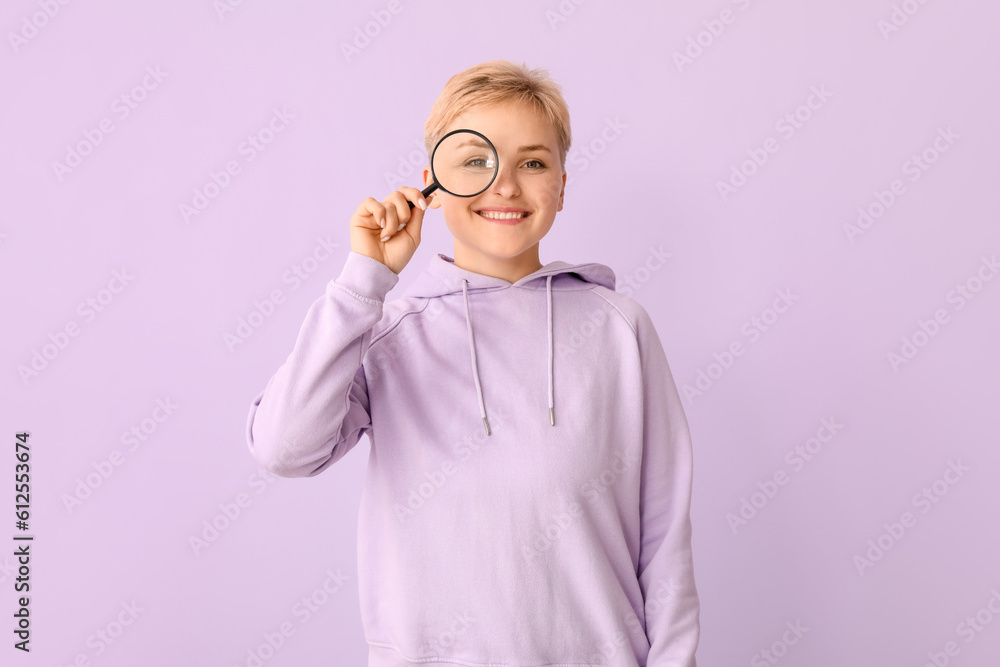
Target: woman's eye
(538, 164)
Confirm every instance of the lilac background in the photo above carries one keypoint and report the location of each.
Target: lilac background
(681, 130)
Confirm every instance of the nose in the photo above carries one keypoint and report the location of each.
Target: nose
(506, 184)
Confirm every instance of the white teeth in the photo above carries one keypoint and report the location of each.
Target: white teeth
(495, 215)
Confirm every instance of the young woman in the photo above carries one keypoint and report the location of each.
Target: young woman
(529, 475)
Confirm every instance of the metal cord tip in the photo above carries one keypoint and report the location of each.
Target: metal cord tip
(487, 424)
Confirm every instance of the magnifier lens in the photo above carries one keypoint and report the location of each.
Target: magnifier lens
(464, 163)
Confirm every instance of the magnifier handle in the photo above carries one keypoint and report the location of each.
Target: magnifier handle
(426, 191)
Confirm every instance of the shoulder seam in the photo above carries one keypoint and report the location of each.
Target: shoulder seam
(385, 332)
(615, 306)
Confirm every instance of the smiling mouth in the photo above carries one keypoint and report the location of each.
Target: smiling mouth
(500, 215)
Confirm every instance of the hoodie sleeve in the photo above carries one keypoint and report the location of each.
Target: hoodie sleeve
(666, 571)
(314, 409)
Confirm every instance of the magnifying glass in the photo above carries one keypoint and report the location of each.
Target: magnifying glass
(464, 164)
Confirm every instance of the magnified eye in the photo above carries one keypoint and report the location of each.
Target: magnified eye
(464, 163)
(480, 162)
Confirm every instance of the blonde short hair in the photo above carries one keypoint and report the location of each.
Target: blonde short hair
(499, 82)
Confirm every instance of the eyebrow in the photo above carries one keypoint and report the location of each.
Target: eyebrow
(477, 143)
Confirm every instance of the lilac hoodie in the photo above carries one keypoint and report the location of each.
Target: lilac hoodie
(527, 494)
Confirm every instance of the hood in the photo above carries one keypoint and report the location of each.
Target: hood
(443, 277)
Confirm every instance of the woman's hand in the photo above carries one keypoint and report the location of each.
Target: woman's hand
(402, 227)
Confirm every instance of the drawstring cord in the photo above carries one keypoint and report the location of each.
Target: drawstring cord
(475, 365)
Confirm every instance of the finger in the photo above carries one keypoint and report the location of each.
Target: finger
(391, 221)
(398, 201)
(370, 207)
(413, 195)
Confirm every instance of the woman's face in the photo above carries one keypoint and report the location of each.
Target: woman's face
(530, 184)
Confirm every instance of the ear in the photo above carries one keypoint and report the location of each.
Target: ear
(433, 201)
(562, 193)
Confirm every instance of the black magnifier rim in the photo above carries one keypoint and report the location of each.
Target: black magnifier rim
(496, 168)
